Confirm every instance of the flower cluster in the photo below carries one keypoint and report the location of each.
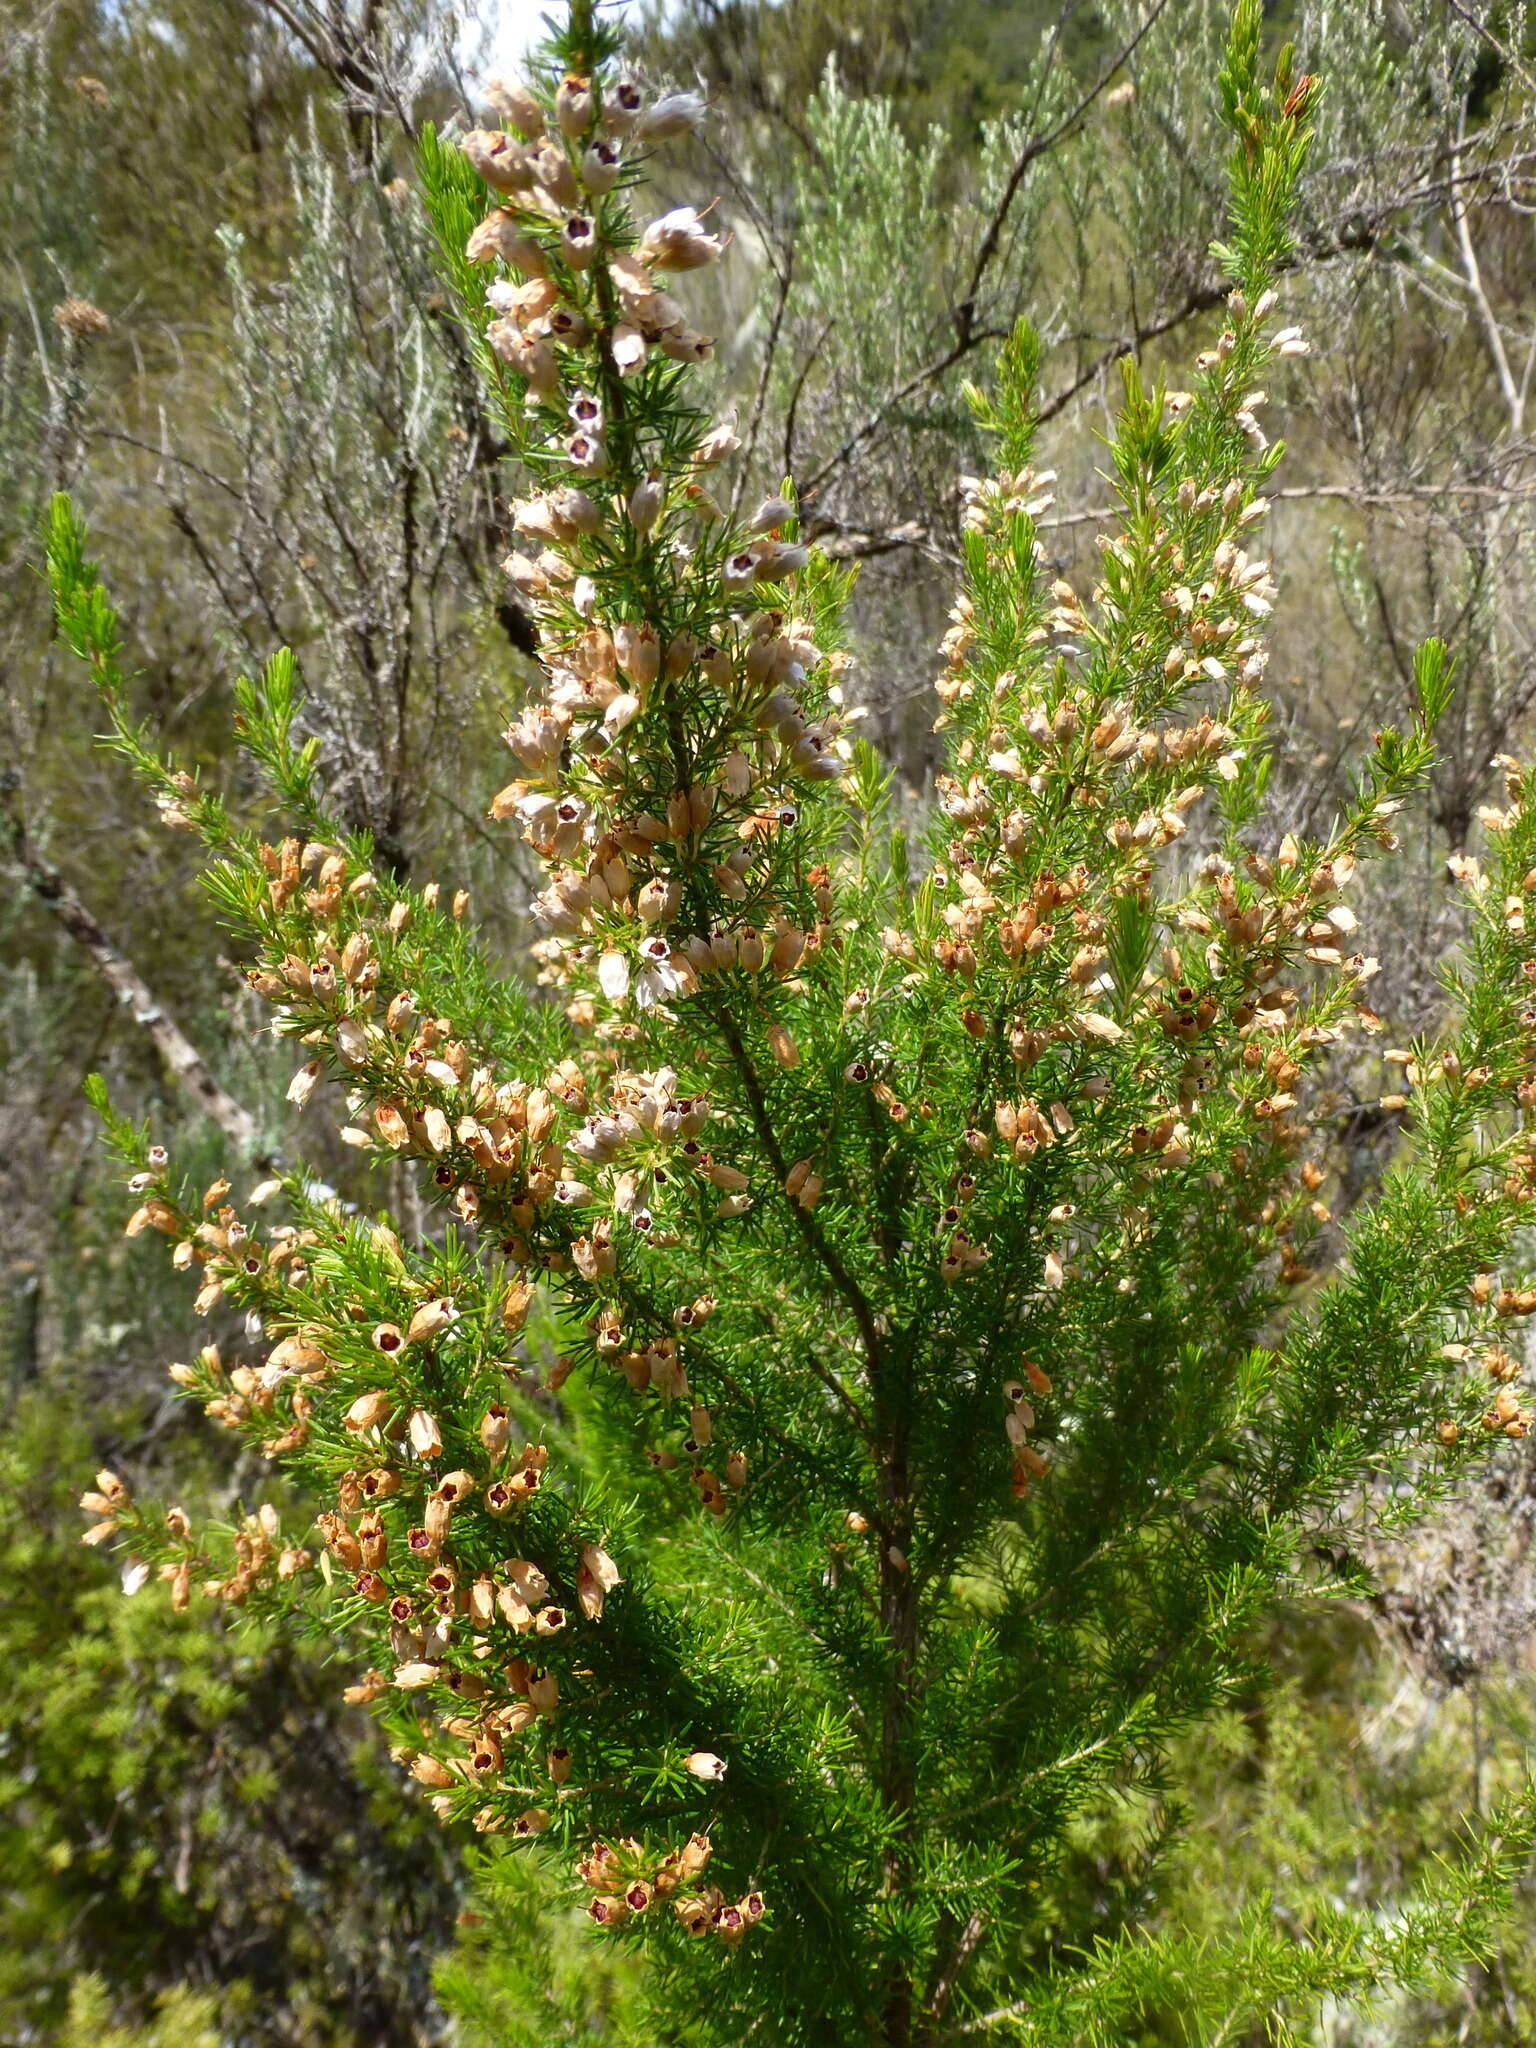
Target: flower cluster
(107, 1501)
(625, 1882)
(687, 699)
(423, 1552)
(551, 1172)
(820, 1148)
(1077, 770)
(390, 1378)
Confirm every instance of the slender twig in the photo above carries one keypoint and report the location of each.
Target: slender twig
(1354, 494)
(968, 336)
(949, 1976)
(1037, 147)
(797, 392)
(844, 543)
(872, 423)
(764, 380)
(1200, 300)
(1513, 391)
(805, 1222)
(995, 2018)
(1480, 29)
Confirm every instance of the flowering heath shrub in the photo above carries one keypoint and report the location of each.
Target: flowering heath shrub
(879, 1340)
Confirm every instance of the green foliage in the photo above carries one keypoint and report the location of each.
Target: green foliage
(1257, 1974)
(175, 1796)
(964, 1214)
(1267, 162)
(1346, 1777)
(1009, 416)
(577, 1994)
(182, 2020)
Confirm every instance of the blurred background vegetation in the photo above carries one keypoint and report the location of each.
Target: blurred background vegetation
(219, 327)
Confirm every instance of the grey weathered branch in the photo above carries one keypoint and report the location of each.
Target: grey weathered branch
(181, 1058)
(1352, 494)
(847, 543)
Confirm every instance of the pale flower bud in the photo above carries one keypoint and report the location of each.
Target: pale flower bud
(552, 171)
(302, 1086)
(621, 106)
(770, 513)
(613, 976)
(658, 901)
(788, 946)
(544, 1691)
(620, 712)
(686, 345)
(600, 168)
(578, 241)
(587, 453)
(515, 103)
(499, 238)
(590, 1593)
(777, 559)
(501, 161)
(426, 1437)
(646, 500)
(573, 105)
(368, 1411)
(527, 1581)
(675, 113)
(782, 1045)
(638, 652)
(720, 441)
(577, 509)
(525, 302)
(678, 241)
(431, 1318)
(532, 358)
(628, 346)
(602, 1567)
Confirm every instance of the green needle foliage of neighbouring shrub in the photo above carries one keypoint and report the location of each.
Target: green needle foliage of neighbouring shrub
(181, 1806)
(880, 1345)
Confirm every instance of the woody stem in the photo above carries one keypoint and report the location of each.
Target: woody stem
(899, 1625)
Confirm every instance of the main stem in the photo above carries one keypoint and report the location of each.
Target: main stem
(899, 1625)
(888, 1433)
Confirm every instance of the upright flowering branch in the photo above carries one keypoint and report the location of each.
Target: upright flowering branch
(848, 1408)
(690, 702)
